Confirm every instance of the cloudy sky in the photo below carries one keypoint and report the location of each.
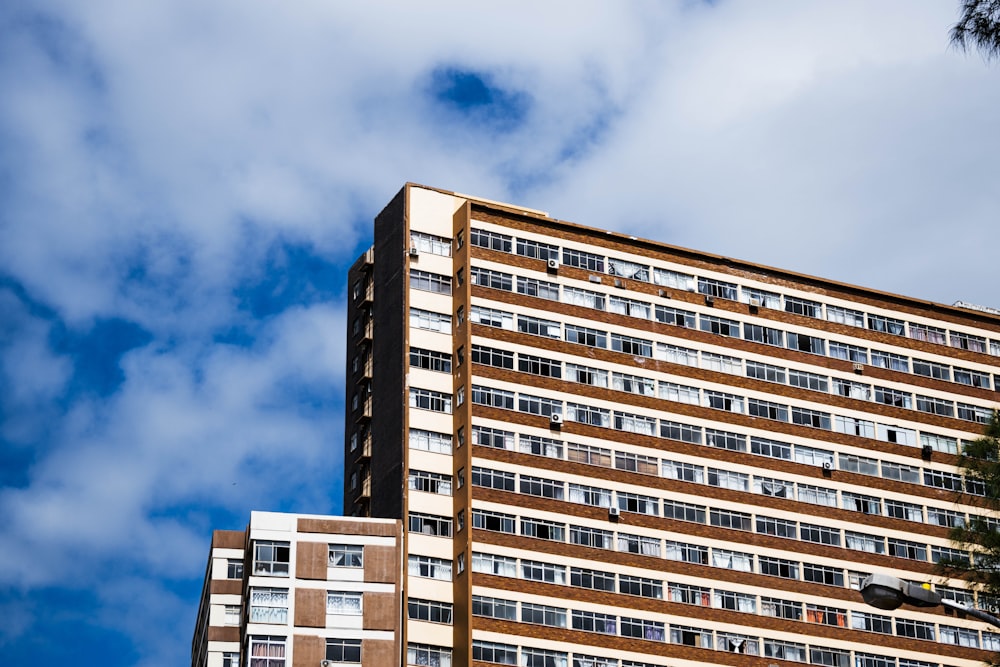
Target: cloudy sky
(184, 182)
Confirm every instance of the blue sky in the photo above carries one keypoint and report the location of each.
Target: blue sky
(184, 183)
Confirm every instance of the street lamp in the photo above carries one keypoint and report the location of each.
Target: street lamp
(885, 592)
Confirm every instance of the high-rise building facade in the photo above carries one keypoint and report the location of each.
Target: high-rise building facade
(608, 451)
(301, 590)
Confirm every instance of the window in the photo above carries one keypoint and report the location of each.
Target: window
(829, 657)
(641, 628)
(346, 555)
(269, 605)
(584, 298)
(343, 604)
(430, 524)
(536, 250)
(907, 549)
(234, 568)
(848, 316)
(539, 405)
(638, 504)
(722, 401)
(939, 443)
(430, 360)
(810, 381)
(490, 240)
(776, 488)
(943, 480)
(494, 608)
(666, 278)
(732, 560)
(744, 602)
(230, 659)
(872, 544)
(975, 413)
(498, 654)
(896, 362)
(736, 442)
(687, 553)
(630, 307)
(540, 446)
(492, 279)
(593, 579)
(887, 325)
(813, 418)
(232, 612)
(762, 334)
(728, 479)
(544, 572)
(805, 343)
(861, 620)
(858, 464)
(267, 652)
(972, 378)
(903, 510)
(689, 594)
(430, 282)
(543, 530)
(585, 336)
(941, 517)
(719, 288)
(541, 614)
(958, 636)
(585, 414)
(492, 479)
(639, 544)
(488, 317)
(637, 347)
(896, 397)
(593, 661)
(429, 243)
(425, 399)
(682, 634)
(641, 586)
(771, 448)
(935, 406)
(968, 342)
(778, 567)
(544, 488)
(527, 363)
(646, 465)
(592, 537)
(766, 372)
(634, 423)
(429, 567)
(676, 355)
(503, 566)
(492, 437)
(685, 472)
(430, 482)
(682, 432)
(586, 375)
(489, 356)
(583, 260)
(778, 608)
(811, 532)
(857, 502)
(931, 370)
(495, 398)
(851, 389)
(826, 615)
(871, 660)
(939, 554)
(424, 654)
(778, 527)
(762, 298)
(626, 269)
(803, 307)
(543, 289)
(911, 628)
(928, 333)
(675, 316)
(719, 325)
(858, 355)
(674, 509)
(730, 519)
(817, 495)
(722, 363)
(822, 574)
(270, 558)
(536, 657)
(767, 410)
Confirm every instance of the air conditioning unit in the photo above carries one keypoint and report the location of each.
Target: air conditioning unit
(555, 419)
(709, 300)
(594, 279)
(414, 252)
(925, 452)
(827, 465)
(326, 663)
(755, 302)
(552, 264)
(665, 294)
(613, 512)
(858, 368)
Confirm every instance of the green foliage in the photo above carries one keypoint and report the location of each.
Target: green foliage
(978, 28)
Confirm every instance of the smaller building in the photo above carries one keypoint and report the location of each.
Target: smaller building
(297, 590)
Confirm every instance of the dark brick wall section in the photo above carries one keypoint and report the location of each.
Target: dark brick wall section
(310, 608)
(382, 564)
(308, 651)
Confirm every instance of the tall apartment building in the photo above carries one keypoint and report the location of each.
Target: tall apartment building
(609, 451)
(300, 590)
